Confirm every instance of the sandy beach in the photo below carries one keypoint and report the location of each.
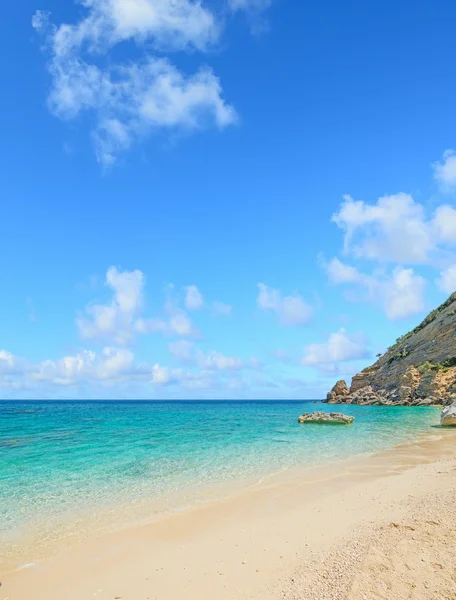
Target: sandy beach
(377, 526)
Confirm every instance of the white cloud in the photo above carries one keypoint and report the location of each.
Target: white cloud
(118, 319)
(166, 24)
(444, 223)
(220, 308)
(161, 375)
(111, 364)
(393, 229)
(447, 280)
(197, 382)
(339, 272)
(132, 99)
(400, 292)
(8, 363)
(215, 360)
(188, 353)
(403, 294)
(399, 231)
(396, 229)
(445, 172)
(40, 20)
(121, 318)
(291, 310)
(339, 347)
(193, 298)
(114, 368)
(180, 324)
(186, 380)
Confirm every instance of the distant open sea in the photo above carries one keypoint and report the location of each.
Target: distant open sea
(98, 462)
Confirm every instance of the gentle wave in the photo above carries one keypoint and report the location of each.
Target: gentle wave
(64, 460)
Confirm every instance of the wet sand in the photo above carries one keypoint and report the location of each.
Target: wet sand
(307, 533)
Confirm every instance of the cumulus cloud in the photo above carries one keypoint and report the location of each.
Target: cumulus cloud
(118, 319)
(40, 20)
(187, 353)
(187, 380)
(8, 363)
(193, 298)
(121, 318)
(291, 310)
(166, 24)
(180, 324)
(161, 375)
(393, 233)
(403, 294)
(115, 369)
(444, 225)
(445, 172)
(134, 98)
(216, 360)
(396, 229)
(111, 365)
(400, 293)
(177, 324)
(447, 280)
(339, 272)
(393, 229)
(340, 347)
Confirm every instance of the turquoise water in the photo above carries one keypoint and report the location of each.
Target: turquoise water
(59, 460)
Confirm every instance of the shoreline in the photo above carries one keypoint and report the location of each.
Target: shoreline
(40, 538)
(256, 527)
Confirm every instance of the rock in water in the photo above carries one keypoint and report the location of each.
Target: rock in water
(326, 418)
(448, 418)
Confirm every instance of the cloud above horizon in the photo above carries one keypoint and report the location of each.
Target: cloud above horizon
(445, 172)
(339, 347)
(290, 310)
(146, 92)
(396, 235)
(400, 292)
(118, 319)
(387, 248)
(187, 353)
(122, 318)
(396, 229)
(114, 368)
(193, 298)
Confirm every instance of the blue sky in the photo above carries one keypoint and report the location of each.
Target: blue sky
(226, 199)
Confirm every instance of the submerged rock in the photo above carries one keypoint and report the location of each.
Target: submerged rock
(448, 418)
(326, 418)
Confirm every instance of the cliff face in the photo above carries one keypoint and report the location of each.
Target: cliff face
(420, 368)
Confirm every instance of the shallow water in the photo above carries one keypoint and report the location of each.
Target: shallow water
(59, 460)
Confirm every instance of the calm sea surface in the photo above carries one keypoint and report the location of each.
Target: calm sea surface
(61, 461)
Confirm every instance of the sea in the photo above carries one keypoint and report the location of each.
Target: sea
(74, 466)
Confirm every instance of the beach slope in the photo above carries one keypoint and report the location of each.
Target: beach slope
(378, 526)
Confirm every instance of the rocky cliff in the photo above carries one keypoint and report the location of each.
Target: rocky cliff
(419, 369)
